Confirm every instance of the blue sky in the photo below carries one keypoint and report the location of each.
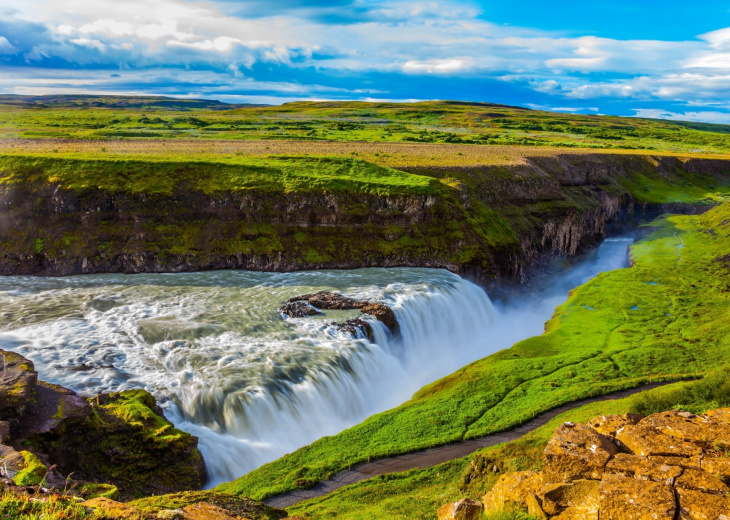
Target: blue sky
(667, 59)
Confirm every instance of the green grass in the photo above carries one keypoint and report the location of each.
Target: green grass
(43, 507)
(665, 318)
(165, 176)
(419, 493)
(425, 122)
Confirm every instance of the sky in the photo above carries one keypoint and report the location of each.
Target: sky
(666, 59)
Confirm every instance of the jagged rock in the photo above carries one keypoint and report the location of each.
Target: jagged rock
(646, 440)
(383, 313)
(4, 431)
(678, 470)
(17, 380)
(354, 326)
(698, 480)
(235, 505)
(576, 451)
(580, 494)
(642, 468)
(113, 509)
(328, 301)
(610, 424)
(298, 310)
(171, 514)
(205, 511)
(511, 490)
(625, 497)
(309, 304)
(694, 505)
(466, 509)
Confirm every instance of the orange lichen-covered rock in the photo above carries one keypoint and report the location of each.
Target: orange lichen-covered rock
(611, 424)
(642, 468)
(466, 509)
(646, 440)
(694, 505)
(205, 511)
(511, 491)
(626, 497)
(579, 494)
(576, 451)
(112, 509)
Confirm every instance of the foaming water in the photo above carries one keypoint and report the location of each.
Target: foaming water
(253, 386)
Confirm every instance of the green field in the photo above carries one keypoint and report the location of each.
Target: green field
(90, 118)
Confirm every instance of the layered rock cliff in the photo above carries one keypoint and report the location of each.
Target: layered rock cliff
(489, 223)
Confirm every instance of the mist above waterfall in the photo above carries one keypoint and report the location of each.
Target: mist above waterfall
(252, 385)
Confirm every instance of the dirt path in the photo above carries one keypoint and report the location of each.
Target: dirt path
(435, 456)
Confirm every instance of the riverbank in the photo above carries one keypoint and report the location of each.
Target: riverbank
(496, 223)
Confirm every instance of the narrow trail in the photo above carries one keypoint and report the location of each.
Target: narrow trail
(434, 456)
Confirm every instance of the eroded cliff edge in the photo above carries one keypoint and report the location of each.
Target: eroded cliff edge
(489, 223)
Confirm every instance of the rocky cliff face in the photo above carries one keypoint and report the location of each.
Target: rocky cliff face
(666, 466)
(488, 223)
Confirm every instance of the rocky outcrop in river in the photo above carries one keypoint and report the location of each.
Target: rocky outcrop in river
(311, 304)
(113, 445)
(665, 466)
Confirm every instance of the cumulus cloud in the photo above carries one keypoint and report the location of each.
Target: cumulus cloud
(348, 48)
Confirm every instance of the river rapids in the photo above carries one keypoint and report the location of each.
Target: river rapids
(252, 385)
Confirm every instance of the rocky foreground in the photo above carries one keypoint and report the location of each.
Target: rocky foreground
(95, 451)
(670, 465)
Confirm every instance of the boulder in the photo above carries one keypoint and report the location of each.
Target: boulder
(698, 480)
(466, 509)
(694, 505)
(511, 491)
(310, 304)
(678, 470)
(581, 494)
(646, 440)
(4, 431)
(382, 313)
(610, 424)
(626, 497)
(356, 326)
(171, 514)
(112, 509)
(17, 381)
(642, 468)
(328, 301)
(205, 511)
(298, 310)
(576, 451)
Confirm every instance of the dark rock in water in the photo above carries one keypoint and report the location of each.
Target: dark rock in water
(326, 300)
(354, 325)
(17, 381)
(298, 310)
(383, 313)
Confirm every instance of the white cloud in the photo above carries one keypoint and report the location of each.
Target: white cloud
(704, 116)
(6, 47)
(437, 66)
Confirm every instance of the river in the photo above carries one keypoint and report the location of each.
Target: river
(227, 367)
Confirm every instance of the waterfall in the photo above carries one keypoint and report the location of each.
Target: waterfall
(226, 367)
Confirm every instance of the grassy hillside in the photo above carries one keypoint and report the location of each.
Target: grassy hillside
(667, 317)
(98, 118)
(419, 493)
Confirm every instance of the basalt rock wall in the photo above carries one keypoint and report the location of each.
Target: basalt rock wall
(493, 224)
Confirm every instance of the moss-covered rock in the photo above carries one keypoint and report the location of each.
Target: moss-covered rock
(242, 507)
(126, 442)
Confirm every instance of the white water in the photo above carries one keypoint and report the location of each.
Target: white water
(253, 386)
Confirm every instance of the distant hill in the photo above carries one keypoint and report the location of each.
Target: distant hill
(143, 102)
